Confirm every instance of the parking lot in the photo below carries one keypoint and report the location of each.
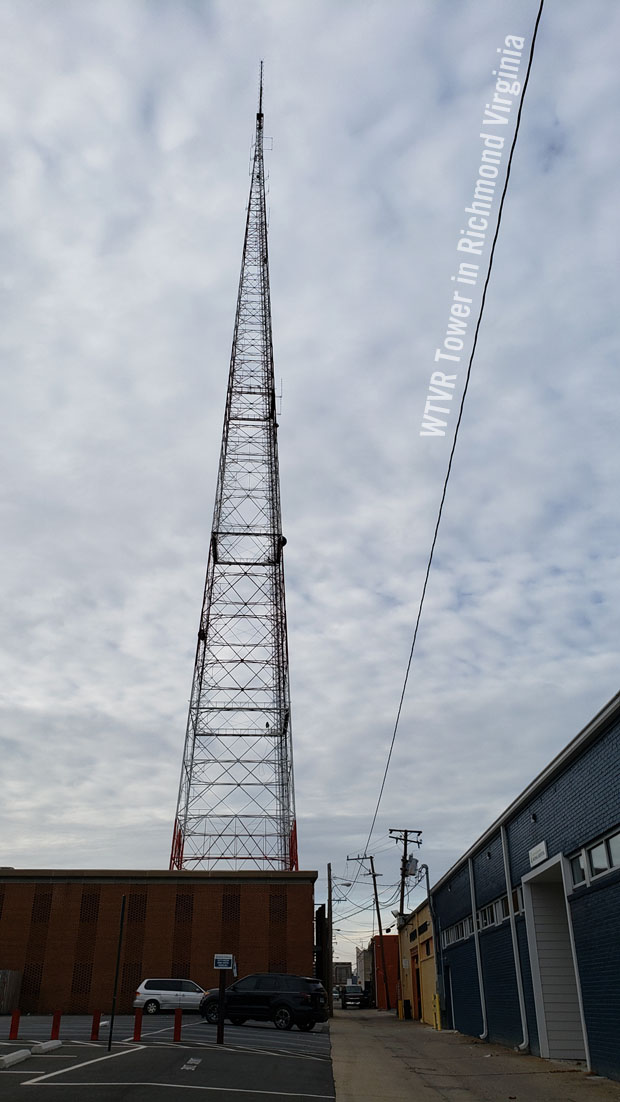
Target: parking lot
(255, 1061)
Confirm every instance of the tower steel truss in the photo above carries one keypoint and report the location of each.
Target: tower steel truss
(236, 806)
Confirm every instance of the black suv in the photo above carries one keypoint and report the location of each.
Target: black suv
(270, 996)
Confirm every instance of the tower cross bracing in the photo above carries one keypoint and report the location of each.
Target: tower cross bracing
(236, 806)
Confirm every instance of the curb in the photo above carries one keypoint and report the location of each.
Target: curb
(14, 1057)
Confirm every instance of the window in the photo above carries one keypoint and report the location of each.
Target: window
(448, 937)
(614, 849)
(189, 985)
(596, 859)
(268, 983)
(458, 932)
(492, 915)
(578, 869)
(599, 862)
(486, 917)
(248, 984)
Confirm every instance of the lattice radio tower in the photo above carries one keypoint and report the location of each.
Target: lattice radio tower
(236, 804)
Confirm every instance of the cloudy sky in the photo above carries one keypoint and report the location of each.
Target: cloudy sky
(126, 128)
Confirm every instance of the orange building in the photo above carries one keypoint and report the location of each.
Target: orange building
(390, 950)
(60, 930)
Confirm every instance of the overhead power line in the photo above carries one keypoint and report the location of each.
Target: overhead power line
(458, 423)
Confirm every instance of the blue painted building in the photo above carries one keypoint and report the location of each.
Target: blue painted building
(528, 920)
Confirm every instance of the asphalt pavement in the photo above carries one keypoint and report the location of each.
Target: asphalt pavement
(255, 1062)
(377, 1058)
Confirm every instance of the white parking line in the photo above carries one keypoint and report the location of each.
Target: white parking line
(190, 1087)
(172, 1044)
(84, 1064)
(243, 1048)
(151, 1033)
(284, 1055)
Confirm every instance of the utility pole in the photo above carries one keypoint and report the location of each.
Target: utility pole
(374, 875)
(403, 873)
(330, 944)
(403, 835)
(236, 803)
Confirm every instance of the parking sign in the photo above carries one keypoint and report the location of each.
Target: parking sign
(223, 961)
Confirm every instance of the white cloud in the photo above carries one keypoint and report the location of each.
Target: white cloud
(126, 134)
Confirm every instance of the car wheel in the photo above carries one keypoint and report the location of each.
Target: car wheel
(237, 1021)
(282, 1018)
(306, 1026)
(211, 1013)
(151, 1007)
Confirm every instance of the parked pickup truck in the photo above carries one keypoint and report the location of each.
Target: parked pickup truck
(351, 995)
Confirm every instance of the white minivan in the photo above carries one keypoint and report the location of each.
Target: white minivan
(156, 995)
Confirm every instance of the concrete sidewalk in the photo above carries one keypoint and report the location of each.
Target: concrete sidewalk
(377, 1058)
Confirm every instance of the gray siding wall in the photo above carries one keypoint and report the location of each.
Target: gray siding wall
(557, 973)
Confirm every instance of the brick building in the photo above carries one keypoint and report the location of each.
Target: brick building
(529, 916)
(60, 928)
(390, 952)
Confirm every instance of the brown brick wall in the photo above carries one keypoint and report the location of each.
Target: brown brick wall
(62, 933)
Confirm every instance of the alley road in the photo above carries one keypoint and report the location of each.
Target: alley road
(376, 1057)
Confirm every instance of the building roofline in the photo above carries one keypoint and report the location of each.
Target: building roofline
(589, 734)
(159, 875)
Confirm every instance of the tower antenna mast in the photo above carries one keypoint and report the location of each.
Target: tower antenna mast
(236, 804)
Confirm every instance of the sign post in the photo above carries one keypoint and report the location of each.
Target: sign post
(222, 963)
(118, 965)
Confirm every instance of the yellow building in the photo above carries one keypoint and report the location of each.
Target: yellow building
(418, 973)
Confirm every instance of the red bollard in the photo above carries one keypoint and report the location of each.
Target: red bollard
(56, 1026)
(178, 1019)
(94, 1033)
(137, 1024)
(14, 1030)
